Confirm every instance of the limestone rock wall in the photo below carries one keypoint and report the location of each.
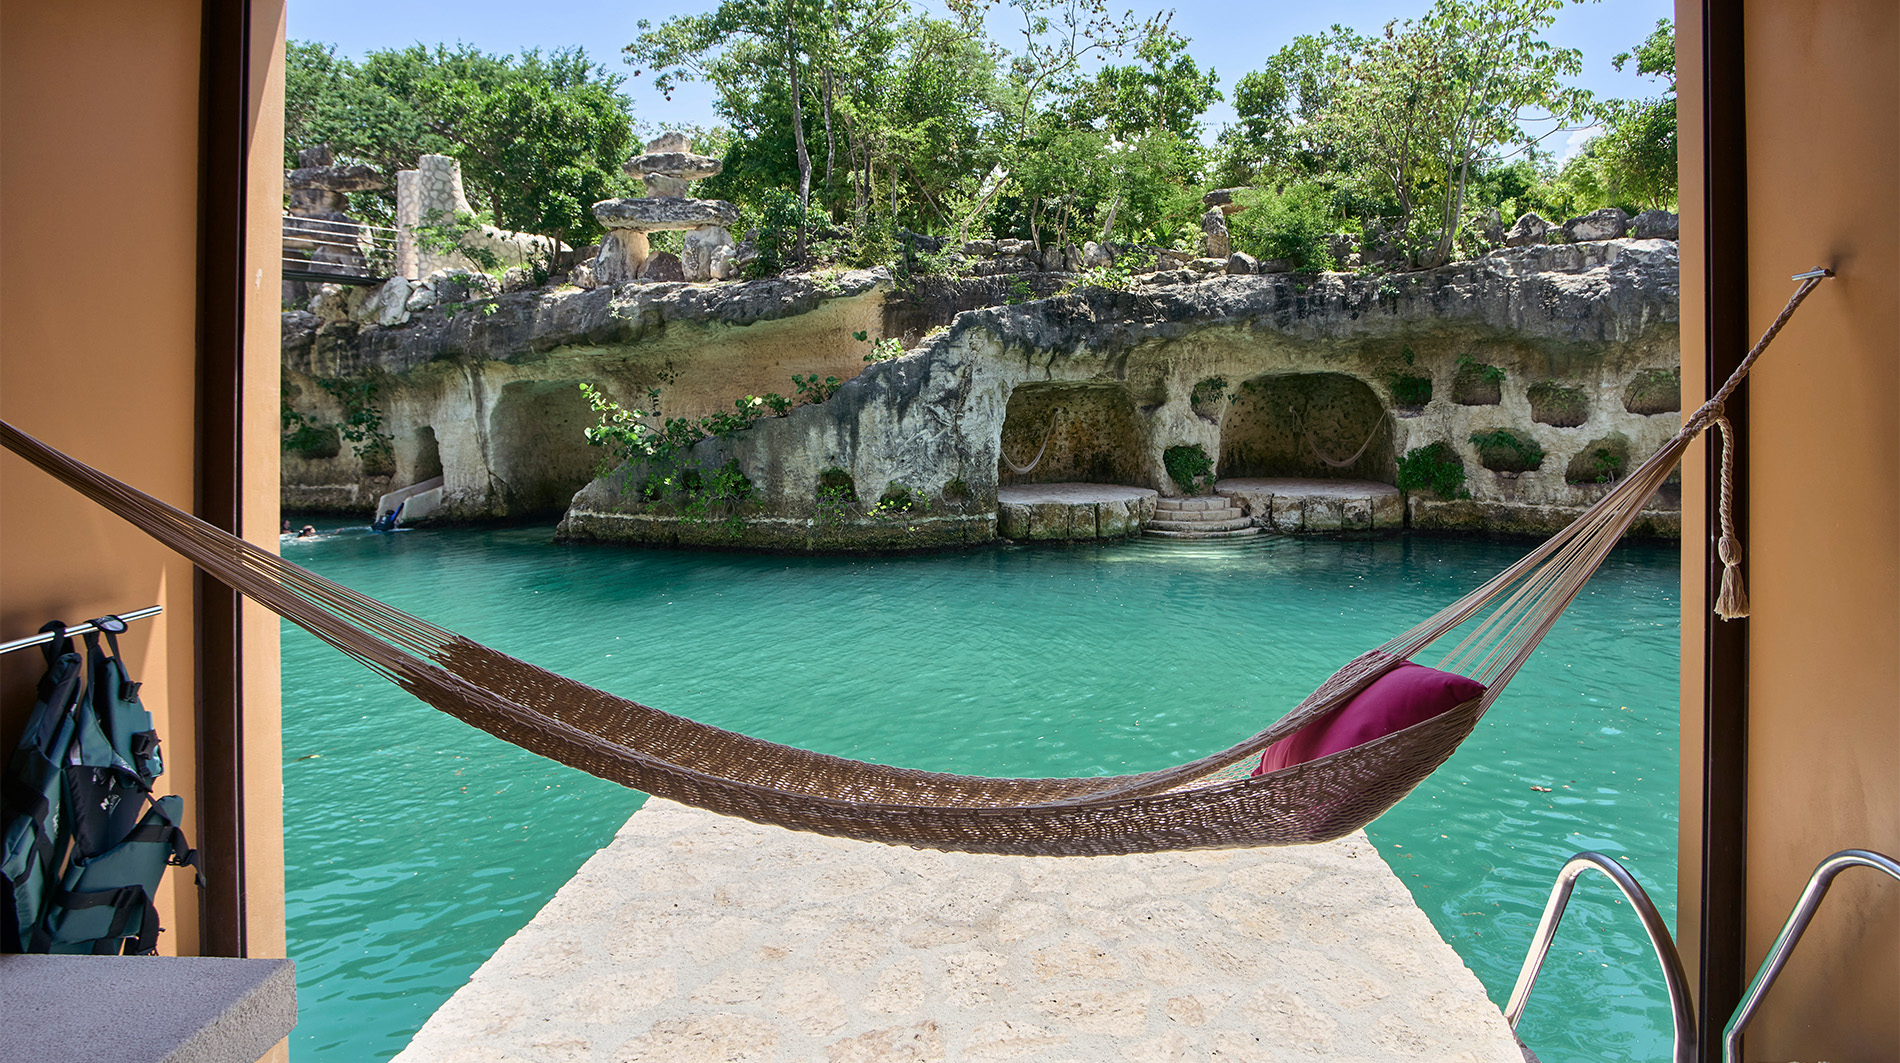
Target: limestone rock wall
(1591, 319)
(491, 401)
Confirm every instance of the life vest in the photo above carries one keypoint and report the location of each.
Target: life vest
(86, 842)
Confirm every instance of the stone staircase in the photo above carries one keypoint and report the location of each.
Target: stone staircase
(1199, 518)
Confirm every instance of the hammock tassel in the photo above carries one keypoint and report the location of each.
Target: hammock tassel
(1731, 600)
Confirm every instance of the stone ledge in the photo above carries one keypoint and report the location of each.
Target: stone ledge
(1072, 511)
(144, 1009)
(1301, 505)
(694, 938)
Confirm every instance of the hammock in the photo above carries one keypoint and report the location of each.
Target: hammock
(1208, 803)
(1025, 470)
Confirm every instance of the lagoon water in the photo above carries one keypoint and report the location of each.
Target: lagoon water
(416, 845)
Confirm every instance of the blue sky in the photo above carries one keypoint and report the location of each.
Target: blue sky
(1231, 38)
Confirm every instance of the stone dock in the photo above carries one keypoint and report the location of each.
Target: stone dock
(693, 937)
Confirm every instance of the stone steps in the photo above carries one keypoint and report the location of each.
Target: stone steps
(1237, 533)
(1214, 502)
(1214, 525)
(1199, 518)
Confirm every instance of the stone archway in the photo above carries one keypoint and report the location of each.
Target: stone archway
(537, 450)
(1096, 438)
(1275, 423)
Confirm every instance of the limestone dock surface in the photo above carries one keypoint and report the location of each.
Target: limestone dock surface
(693, 937)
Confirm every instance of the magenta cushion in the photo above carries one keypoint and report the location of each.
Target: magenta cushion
(1408, 694)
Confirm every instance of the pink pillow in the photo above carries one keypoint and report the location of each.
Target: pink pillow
(1408, 694)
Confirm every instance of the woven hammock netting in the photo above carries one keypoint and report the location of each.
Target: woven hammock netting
(1213, 802)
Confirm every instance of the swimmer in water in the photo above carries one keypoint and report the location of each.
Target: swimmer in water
(308, 531)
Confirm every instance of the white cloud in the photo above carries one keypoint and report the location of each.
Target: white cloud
(1575, 142)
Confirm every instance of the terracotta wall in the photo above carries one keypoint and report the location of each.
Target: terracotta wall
(1823, 117)
(99, 208)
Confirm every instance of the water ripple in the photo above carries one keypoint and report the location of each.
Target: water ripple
(416, 845)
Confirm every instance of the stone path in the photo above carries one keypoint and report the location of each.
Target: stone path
(695, 938)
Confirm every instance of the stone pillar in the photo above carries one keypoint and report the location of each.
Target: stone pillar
(430, 194)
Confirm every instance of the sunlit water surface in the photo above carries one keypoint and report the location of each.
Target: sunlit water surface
(416, 845)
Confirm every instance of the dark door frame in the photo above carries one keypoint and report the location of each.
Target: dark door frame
(1722, 941)
(224, 131)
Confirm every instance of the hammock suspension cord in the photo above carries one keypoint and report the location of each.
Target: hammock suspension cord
(1024, 470)
(1206, 803)
(1356, 455)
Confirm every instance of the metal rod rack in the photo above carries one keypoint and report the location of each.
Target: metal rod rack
(1681, 1005)
(78, 629)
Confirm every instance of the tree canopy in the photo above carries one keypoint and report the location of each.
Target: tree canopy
(541, 138)
(846, 122)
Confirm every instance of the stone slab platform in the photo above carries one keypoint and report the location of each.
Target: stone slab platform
(693, 937)
(1295, 504)
(1072, 510)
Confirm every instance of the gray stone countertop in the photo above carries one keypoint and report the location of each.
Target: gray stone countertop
(693, 938)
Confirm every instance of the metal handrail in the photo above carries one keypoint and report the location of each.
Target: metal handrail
(1791, 932)
(1680, 1003)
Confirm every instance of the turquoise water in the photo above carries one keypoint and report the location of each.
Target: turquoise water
(416, 845)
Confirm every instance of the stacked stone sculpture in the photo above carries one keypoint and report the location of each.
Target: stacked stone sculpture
(667, 168)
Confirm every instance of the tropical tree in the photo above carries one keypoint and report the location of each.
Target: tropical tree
(1433, 101)
(540, 137)
(1638, 145)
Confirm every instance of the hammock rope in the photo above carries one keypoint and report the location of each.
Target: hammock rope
(1212, 802)
(1025, 470)
(1356, 455)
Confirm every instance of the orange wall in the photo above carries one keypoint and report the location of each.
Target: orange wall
(99, 115)
(1823, 107)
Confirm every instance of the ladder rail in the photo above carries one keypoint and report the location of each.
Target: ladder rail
(1791, 931)
(1681, 1004)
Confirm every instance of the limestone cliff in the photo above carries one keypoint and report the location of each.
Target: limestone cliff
(485, 391)
(1560, 358)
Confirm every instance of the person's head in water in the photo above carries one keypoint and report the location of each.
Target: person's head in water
(308, 531)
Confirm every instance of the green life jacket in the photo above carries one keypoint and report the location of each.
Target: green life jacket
(86, 842)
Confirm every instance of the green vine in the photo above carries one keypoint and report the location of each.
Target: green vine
(1435, 468)
(363, 422)
(1190, 467)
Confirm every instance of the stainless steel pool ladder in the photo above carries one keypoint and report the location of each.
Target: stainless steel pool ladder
(1791, 931)
(1680, 1003)
(1681, 1006)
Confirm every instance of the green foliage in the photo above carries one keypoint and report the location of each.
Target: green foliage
(883, 349)
(1435, 468)
(1207, 393)
(1503, 450)
(810, 389)
(897, 500)
(541, 138)
(777, 403)
(717, 499)
(780, 221)
(1409, 389)
(837, 496)
(305, 437)
(1477, 384)
(1294, 223)
(439, 235)
(1490, 374)
(1110, 278)
(1189, 466)
(363, 422)
(1606, 463)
